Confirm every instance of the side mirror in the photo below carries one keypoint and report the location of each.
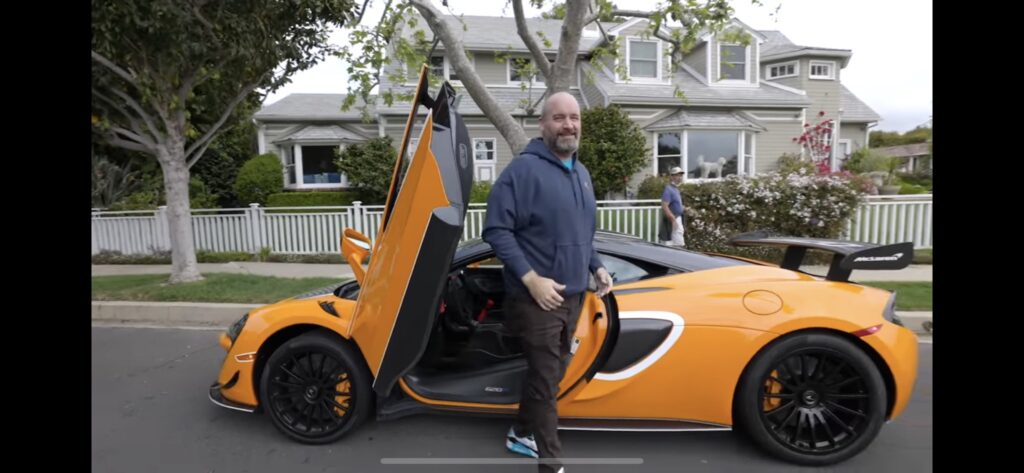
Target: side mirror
(355, 247)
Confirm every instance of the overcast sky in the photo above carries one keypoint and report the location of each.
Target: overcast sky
(891, 40)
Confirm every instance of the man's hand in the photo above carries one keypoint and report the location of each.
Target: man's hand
(544, 290)
(604, 282)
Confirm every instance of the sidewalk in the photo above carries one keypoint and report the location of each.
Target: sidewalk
(914, 272)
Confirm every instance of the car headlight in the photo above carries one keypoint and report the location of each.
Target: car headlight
(236, 328)
(890, 311)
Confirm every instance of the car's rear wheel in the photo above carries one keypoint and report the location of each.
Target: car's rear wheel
(316, 388)
(812, 398)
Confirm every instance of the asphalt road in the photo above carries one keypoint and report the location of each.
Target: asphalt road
(150, 413)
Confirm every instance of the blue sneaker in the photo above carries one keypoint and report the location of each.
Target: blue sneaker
(525, 446)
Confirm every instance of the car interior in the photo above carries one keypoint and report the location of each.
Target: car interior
(472, 355)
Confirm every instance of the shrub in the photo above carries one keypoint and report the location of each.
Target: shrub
(258, 179)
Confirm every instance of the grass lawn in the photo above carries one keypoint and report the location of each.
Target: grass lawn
(909, 295)
(249, 289)
(217, 287)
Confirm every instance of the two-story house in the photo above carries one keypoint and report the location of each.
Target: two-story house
(743, 105)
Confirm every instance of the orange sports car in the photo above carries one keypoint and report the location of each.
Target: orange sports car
(810, 367)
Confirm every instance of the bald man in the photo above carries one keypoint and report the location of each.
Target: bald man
(541, 219)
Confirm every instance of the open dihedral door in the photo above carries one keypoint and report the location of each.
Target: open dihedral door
(419, 231)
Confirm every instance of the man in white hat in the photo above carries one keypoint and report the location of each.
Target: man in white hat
(672, 207)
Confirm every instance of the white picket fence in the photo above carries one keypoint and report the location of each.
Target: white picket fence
(309, 230)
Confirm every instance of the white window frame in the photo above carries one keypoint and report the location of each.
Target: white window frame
(297, 158)
(748, 63)
(494, 149)
(533, 82)
(831, 70)
(493, 161)
(796, 70)
(658, 57)
(448, 69)
(741, 167)
(684, 152)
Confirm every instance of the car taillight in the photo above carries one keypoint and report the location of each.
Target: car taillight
(890, 311)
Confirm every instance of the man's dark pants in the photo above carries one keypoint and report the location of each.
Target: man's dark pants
(547, 339)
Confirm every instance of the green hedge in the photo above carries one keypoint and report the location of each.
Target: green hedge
(164, 257)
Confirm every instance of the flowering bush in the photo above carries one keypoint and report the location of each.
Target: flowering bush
(817, 142)
(796, 204)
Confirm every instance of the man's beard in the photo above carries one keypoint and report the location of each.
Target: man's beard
(564, 144)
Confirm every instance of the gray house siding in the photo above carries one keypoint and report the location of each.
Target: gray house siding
(825, 95)
(589, 88)
(697, 59)
(774, 142)
(855, 132)
(490, 71)
(275, 131)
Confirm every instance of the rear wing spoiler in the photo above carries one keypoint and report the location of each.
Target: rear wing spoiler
(847, 255)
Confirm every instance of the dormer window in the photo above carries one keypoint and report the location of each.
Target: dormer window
(644, 60)
(779, 71)
(732, 61)
(823, 70)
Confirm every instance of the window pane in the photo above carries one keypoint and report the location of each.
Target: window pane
(643, 50)
(643, 68)
(318, 165)
(665, 164)
(483, 150)
(733, 62)
(437, 66)
(718, 150)
(668, 144)
(518, 69)
(622, 270)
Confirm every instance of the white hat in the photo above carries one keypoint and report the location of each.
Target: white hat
(675, 170)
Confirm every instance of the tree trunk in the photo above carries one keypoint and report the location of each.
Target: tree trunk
(563, 71)
(184, 267)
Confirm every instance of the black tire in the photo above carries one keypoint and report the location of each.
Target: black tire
(797, 383)
(297, 385)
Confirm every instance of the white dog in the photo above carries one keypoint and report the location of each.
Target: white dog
(706, 168)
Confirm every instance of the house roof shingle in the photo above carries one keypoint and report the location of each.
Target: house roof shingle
(326, 133)
(698, 93)
(703, 119)
(855, 111)
(916, 149)
(778, 46)
(309, 107)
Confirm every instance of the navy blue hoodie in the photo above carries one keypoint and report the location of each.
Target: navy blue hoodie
(541, 216)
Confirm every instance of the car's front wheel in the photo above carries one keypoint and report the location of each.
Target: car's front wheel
(812, 398)
(316, 388)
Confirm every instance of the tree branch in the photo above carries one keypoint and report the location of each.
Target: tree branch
(503, 121)
(633, 13)
(202, 150)
(531, 43)
(132, 135)
(130, 145)
(114, 68)
(224, 116)
(139, 135)
(138, 109)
